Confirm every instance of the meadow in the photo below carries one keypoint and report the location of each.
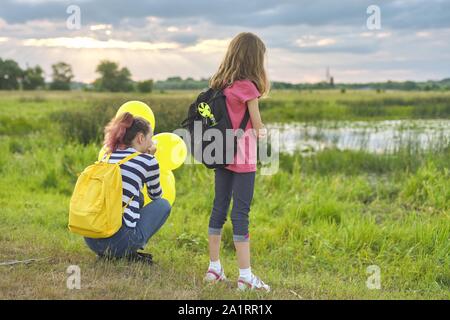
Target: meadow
(316, 225)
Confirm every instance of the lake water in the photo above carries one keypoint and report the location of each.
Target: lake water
(373, 136)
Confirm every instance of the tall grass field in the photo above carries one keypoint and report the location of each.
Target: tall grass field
(318, 226)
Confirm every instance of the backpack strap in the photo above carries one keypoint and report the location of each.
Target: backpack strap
(128, 203)
(105, 159)
(245, 120)
(131, 156)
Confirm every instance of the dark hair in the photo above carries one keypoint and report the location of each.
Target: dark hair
(121, 130)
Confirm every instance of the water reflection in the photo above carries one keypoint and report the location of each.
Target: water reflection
(373, 136)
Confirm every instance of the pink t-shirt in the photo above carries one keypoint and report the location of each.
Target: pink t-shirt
(237, 96)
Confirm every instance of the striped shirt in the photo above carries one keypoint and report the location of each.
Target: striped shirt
(144, 168)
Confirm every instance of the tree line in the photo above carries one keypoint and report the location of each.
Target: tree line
(111, 78)
(430, 85)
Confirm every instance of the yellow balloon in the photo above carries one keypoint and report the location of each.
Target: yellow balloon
(167, 182)
(171, 151)
(138, 109)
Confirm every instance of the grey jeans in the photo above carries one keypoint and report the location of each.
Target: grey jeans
(128, 240)
(239, 186)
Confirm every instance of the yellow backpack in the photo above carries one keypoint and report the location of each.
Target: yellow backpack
(96, 205)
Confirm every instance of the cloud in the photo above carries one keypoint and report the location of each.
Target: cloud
(209, 46)
(90, 43)
(312, 41)
(156, 39)
(251, 13)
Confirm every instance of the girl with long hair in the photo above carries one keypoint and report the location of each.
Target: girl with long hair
(243, 79)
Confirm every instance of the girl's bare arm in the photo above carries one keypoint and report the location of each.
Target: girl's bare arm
(255, 116)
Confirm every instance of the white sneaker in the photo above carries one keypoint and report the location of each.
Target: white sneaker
(255, 284)
(214, 276)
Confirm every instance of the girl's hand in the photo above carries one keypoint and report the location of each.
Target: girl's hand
(255, 117)
(262, 133)
(152, 149)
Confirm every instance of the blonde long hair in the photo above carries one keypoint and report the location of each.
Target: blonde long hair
(244, 60)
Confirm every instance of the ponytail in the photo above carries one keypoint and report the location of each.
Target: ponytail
(121, 131)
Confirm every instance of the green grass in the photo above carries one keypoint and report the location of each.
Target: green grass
(355, 105)
(316, 225)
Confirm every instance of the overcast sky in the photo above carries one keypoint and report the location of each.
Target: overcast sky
(188, 38)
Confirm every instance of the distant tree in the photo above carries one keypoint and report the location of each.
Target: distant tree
(113, 79)
(145, 86)
(62, 76)
(389, 85)
(124, 80)
(174, 79)
(10, 74)
(33, 78)
(410, 85)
